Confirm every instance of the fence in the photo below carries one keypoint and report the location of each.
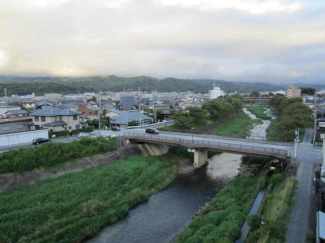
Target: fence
(222, 146)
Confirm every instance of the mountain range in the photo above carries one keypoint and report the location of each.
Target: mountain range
(68, 85)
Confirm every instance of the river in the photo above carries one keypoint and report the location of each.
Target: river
(166, 214)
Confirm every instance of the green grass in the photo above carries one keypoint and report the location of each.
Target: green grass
(276, 210)
(222, 219)
(258, 111)
(53, 154)
(237, 127)
(71, 207)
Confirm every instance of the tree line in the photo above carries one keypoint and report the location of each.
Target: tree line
(292, 114)
(211, 111)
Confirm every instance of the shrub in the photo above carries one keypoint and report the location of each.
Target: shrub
(254, 221)
(52, 154)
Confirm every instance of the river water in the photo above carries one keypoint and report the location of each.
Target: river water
(166, 214)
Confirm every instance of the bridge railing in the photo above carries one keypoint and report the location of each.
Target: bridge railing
(194, 143)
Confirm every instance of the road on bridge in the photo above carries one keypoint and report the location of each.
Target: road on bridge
(205, 139)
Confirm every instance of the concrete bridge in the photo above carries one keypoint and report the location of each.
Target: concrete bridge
(255, 99)
(201, 144)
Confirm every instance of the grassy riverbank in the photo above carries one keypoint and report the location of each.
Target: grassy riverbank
(237, 127)
(52, 154)
(276, 210)
(259, 112)
(71, 207)
(222, 219)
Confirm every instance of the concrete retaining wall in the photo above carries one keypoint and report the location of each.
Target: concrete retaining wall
(22, 137)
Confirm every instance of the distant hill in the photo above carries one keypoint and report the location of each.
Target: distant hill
(66, 85)
(240, 86)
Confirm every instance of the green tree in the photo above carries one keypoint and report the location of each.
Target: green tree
(133, 123)
(182, 120)
(92, 99)
(197, 115)
(255, 94)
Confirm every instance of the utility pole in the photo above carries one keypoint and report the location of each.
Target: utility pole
(100, 110)
(296, 142)
(315, 117)
(139, 109)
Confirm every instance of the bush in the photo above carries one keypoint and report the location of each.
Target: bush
(254, 221)
(227, 212)
(276, 179)
(59, 134)
(52, 154)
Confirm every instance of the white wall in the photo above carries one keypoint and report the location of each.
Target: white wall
(22, 137)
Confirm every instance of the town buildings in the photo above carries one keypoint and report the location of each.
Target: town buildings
(293, 92)
(216, 92)
(127, 101)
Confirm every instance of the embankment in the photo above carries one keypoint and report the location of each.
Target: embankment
(11, 180)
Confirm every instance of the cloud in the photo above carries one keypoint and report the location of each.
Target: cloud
(250, 6)
(237, 40)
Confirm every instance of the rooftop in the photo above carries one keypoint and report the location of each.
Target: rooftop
(16, 112)
(127, 117)
(55, 112)
(17, 119)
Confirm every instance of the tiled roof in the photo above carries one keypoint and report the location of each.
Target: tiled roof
(130, 116)
(55, 112)
(16, 112)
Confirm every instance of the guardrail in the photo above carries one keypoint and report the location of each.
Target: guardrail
(222, 146)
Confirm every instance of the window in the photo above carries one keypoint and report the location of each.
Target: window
(75, 117)
(43, 119)
(20, 126)
(6, 128)
(36, 118)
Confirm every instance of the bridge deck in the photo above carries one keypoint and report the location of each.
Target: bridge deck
(197, 142)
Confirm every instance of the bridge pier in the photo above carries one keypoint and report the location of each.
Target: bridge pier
(200, 157)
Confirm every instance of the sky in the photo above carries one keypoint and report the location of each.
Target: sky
(274, 41)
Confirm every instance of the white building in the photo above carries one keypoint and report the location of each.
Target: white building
(216, 92)
(293, 92)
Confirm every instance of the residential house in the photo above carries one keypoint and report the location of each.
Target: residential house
(56, 119)
(6, 108)
(125, 118)
(163, 110)
(14, 125)
(89, 111)
(44, 104)
(16, 113)
(112, 112)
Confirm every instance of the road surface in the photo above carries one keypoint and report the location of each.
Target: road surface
(307, 156)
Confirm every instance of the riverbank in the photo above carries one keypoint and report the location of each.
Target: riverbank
(222, 218)
(51, 155)
(238, 127)
(75, 206)
(259, 112)
(276, 211)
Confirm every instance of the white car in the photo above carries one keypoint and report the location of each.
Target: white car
(83, 134)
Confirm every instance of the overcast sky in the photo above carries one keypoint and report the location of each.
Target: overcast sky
(274, 41)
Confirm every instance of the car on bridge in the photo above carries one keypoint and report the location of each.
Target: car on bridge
(152, 131)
